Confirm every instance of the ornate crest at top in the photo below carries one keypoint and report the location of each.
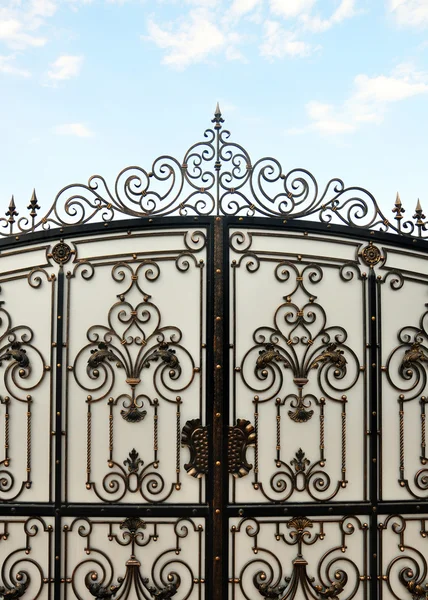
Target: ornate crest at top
(216, 176)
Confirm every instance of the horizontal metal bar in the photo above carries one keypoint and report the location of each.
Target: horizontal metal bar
(125, 510)
(356, 233)
(27, 510)
(293, 509)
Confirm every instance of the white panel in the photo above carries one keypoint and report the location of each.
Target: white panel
(26, 391)
(139, 319)
(298, 558)
(404, 355)
(298, 371)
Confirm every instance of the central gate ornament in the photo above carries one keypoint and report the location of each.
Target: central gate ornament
(215, 177)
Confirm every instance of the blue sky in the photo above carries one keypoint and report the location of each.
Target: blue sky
(339, 87)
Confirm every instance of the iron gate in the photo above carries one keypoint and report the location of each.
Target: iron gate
(227, 402)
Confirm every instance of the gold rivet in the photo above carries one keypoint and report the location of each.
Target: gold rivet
(218, 415)
(218, 270)
(218, 463)
(218, 366)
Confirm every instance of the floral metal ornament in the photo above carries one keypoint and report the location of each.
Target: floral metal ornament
(371, 255)
(61, 253)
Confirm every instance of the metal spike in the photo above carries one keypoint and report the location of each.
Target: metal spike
(398, 210)
(420, 218)
(11, 212)
(33, 207)
(218, 119)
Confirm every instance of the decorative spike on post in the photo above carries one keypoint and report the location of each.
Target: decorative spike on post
(420, 218)
(218, 119)
(11, 213)
(33, 207)
(398, 210)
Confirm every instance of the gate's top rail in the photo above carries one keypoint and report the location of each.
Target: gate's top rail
(215, 177)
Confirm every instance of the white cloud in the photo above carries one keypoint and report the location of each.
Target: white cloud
(279, 43)
(413, 13)
(243, 7)
(325, 119)
(75, 129)
(7, 67)
(192, 41)
(66, 67)
(291, 8)
(315, 23)
(368, 102)
(20, 20)
(384, 89)
(13, 33)
(43, 8)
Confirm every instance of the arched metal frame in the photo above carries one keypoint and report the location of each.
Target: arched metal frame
(217, 188)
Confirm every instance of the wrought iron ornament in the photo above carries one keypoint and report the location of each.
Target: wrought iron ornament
(215, 177)
(335, 576)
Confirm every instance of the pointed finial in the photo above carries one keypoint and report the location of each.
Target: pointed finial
(218, 119)
(33, 207)
(420, 218)
(11, 213)
(398, 210)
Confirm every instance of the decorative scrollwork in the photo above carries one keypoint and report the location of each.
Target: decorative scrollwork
(137, 350)
(161, 580)
(405, 575)
(23, 567)
(337, 576)
(406, 371)
(215, 176)
(25, 370)
(299, 349)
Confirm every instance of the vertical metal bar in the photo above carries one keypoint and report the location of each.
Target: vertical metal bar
(58, 429)
(218, 453)
(373, 361)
